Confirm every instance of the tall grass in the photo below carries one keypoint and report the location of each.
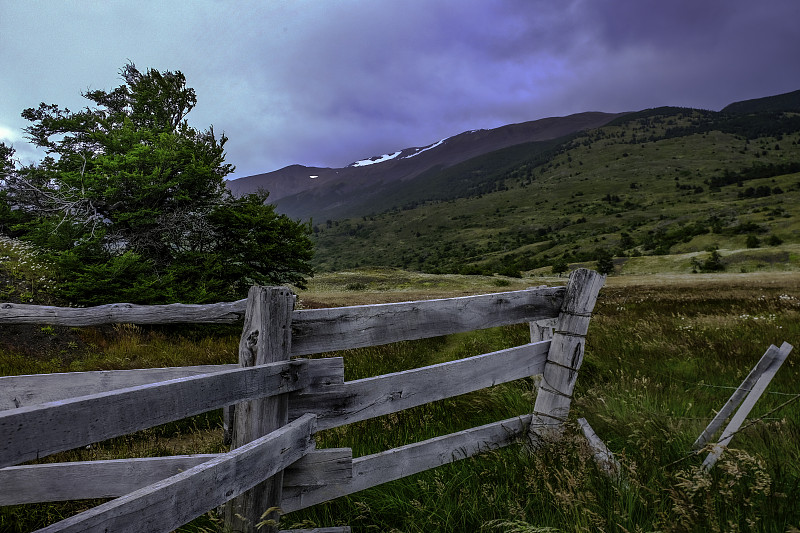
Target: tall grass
(661, 358)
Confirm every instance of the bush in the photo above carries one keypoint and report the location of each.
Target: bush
(713, 263)
(774, 240)
(605, 262)
(560, 266)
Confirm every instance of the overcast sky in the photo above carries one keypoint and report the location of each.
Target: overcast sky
(328, 82)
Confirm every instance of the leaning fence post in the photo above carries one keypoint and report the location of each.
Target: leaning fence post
(737, 397)
(747, 405)
(566, 353)
(266, 338)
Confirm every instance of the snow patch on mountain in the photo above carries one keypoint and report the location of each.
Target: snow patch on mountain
(374, 160)
(419, 151)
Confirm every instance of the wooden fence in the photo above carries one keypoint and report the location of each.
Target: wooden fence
(281, 401)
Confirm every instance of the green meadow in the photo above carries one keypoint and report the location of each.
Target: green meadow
(664, 351)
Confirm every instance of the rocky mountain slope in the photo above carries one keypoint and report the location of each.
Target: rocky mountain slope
(304, 192)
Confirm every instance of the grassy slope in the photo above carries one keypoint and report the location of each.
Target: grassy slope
(562, 208)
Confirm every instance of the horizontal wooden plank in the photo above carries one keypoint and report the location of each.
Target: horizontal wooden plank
(324, 330)
(337, 529)
(320, 467)
(20, 391)
(367, 398)
(379, 468)
(218, 313)
(110, 479)
(31, 432)
(172, 502)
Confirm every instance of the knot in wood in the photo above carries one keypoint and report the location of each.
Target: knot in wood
(252, 339)
(7, 306)
(290, 375)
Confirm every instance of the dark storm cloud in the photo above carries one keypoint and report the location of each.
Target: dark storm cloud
(329, 82)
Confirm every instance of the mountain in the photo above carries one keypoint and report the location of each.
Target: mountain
(304, 192)
(778, 103)
(656, 182)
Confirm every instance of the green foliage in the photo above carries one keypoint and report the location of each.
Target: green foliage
(132, 204)
(713, 263)
(262, 247)
(752, 241)
(560, 266)
(605, 261)
(774, 240)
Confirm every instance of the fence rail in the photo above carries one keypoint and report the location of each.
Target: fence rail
(52, 482)
(274, 465)
(219, 313)
(39, 430)
(370, 397)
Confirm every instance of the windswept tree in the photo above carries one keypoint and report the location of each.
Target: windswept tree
(131, 201)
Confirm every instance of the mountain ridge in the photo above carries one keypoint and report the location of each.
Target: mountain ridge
(301, 191)
(473, 162)
(660, 181)
(777, 103)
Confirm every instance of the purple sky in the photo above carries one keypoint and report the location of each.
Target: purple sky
(328, 82)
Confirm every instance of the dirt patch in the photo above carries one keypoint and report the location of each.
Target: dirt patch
(42, 342)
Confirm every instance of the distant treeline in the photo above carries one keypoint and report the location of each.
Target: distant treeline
(753, 172)
(752, 126)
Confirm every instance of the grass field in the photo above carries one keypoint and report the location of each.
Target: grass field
(663, 352)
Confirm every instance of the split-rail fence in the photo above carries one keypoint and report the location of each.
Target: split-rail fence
(281, 401)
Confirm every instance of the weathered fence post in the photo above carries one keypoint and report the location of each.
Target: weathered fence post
(541, 330)
(566, 353)
(266, 338)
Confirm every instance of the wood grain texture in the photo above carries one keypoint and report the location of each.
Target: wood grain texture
(20, 391)
(172, 502)
(81, 480)
(36, 431)
(323, 330)
(266, 338)
(566, 351)
(339, 529)
(367, 398)
(372, 470)
(542, 330)
(749, 402)
(315, 327)
(124, 313)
